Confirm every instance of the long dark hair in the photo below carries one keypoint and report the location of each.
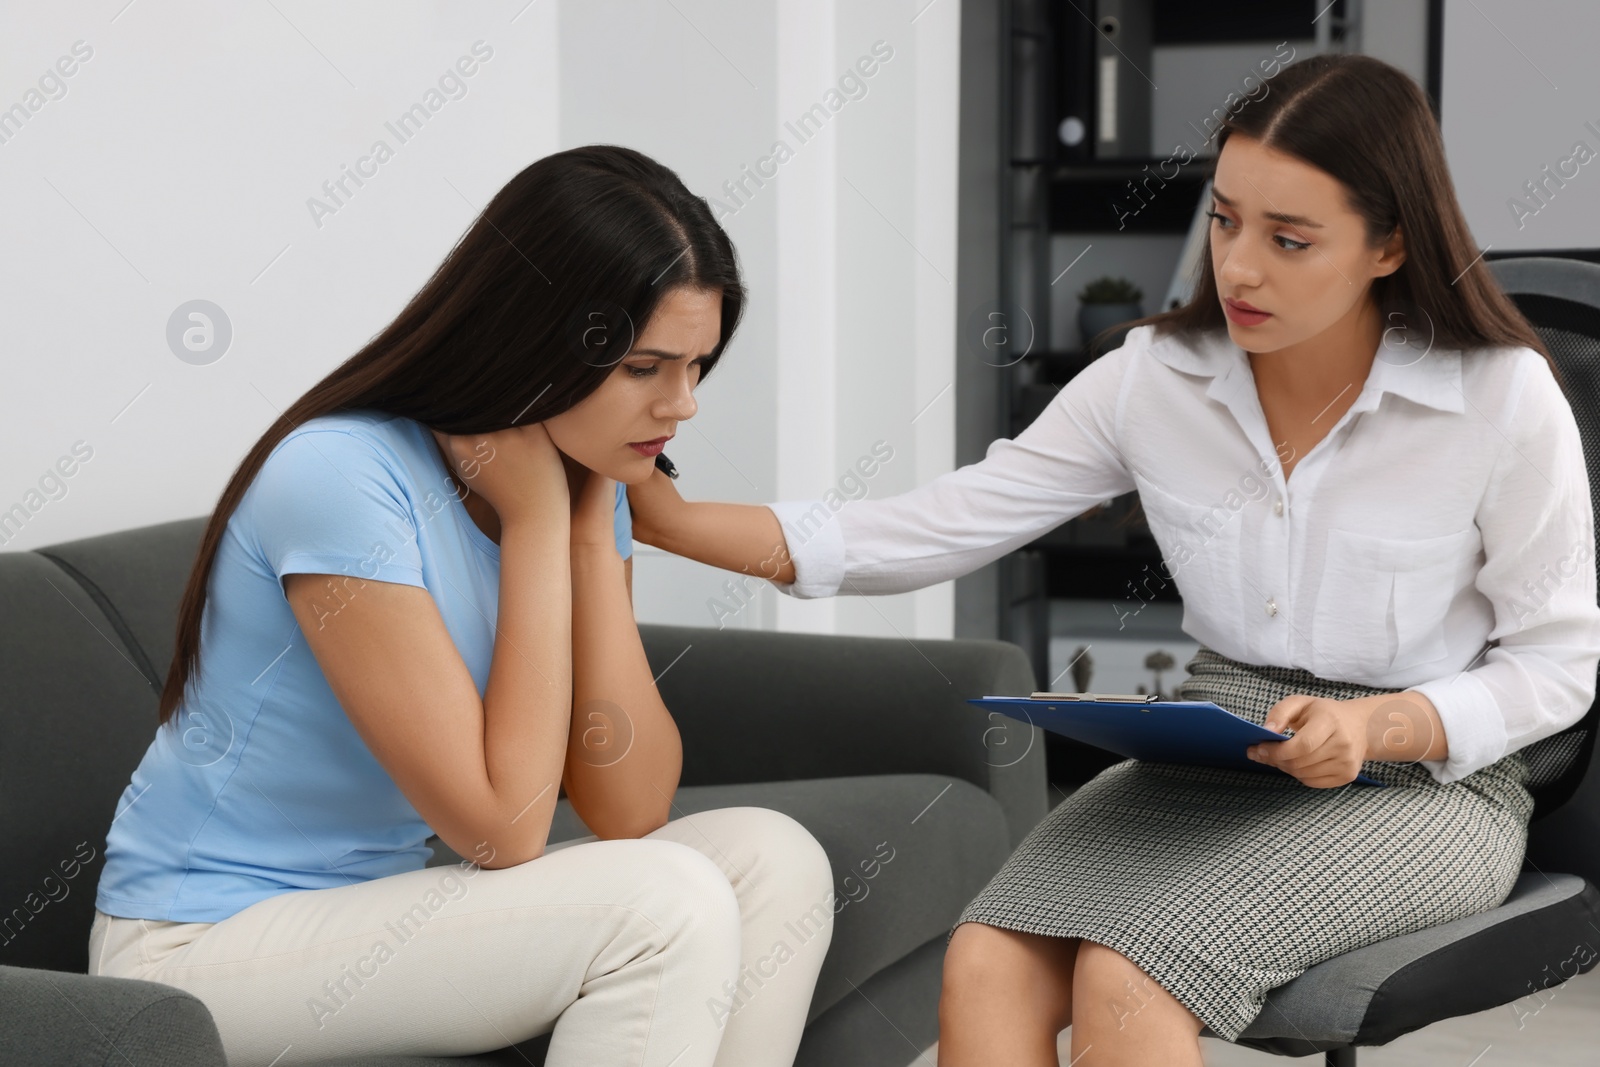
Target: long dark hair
(525, 317)
(1369, 125)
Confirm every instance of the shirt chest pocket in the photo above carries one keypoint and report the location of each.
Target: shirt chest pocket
(1382, 601)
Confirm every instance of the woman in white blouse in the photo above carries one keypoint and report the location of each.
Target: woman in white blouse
(1359, 463)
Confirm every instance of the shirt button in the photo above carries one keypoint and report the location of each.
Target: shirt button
(1272, 606)
(1277, 506)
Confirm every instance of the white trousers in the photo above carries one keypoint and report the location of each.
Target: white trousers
(697, 945)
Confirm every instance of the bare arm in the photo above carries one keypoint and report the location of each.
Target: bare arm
(483, 774)
(624, 754)
(1404, 727)
(735, 537)
(530, 682)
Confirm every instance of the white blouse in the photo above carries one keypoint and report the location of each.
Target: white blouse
(1439, 540)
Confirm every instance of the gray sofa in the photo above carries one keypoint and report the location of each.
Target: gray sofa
(863, 740)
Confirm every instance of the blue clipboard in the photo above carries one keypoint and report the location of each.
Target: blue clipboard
(1164, 731)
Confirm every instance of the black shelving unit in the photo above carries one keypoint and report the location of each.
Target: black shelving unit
(1027, 68)
(1108, 550)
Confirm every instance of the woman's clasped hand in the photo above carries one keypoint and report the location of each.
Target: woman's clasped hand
(521, 474)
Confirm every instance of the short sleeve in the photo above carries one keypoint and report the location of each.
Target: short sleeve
(327, 502)
(624, 522)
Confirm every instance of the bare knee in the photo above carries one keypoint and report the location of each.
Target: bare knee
(1029, 971)
(1109, 990)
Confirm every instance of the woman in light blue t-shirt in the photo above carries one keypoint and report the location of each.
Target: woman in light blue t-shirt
(411, 613)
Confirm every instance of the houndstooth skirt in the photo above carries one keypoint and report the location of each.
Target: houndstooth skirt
(1221, 884)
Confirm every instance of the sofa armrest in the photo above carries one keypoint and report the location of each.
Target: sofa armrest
(56, 1017)
(759, 705)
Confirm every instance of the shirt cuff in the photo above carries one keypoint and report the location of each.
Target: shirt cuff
(1474, 727)
(815, 544)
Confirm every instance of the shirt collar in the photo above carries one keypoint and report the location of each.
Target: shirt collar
(1434, 380)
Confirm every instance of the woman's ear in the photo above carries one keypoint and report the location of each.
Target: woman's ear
(1393, 254)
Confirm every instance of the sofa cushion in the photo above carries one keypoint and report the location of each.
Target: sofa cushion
(51, 1019)
(78, 717)
(142, 572)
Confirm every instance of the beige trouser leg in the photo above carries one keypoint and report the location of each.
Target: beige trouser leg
(698, 944)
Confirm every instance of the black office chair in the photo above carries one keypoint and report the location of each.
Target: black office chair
(1548, 929)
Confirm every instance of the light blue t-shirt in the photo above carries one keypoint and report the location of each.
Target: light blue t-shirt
(260, 784)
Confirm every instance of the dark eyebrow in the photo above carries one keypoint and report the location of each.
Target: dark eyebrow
(661, 354)
(1276, 216)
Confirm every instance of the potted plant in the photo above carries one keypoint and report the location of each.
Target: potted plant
(1104, 303)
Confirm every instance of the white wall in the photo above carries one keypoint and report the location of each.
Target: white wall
(1396, 31)
(178, 166)
(1521, 92)
(847, 238)
(179, 162)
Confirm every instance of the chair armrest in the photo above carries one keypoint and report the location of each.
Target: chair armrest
(759, 705)
(50, 1018)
